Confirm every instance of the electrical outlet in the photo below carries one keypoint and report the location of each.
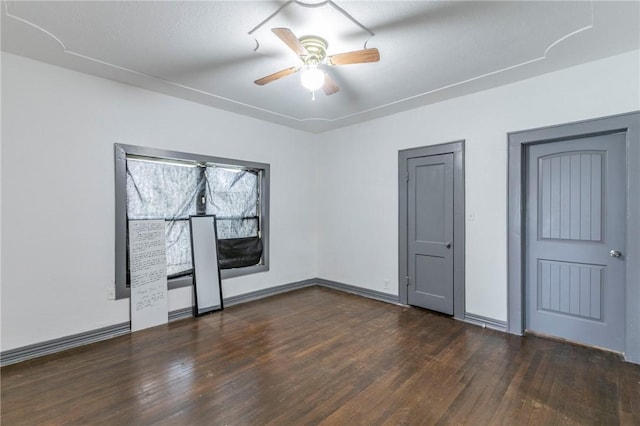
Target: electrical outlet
(387, 285)
(111, 293)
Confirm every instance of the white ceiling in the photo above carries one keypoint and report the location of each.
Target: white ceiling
(430, 50)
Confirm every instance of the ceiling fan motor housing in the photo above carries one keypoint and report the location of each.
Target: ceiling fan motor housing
(317, 48)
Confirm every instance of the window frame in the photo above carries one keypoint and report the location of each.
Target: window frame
(121, 153)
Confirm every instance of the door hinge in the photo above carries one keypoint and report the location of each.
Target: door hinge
(408, 280)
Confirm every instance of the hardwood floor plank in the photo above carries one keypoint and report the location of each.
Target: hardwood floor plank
(319, 356)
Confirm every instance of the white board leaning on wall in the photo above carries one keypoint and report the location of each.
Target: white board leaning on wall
(148, 266)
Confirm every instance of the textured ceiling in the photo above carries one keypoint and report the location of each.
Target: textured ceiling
(211, 52)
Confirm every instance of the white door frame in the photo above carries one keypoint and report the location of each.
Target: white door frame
(630, 125)
(457, 149)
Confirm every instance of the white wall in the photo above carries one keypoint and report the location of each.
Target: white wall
(333, 195)
(358, 238)
(58, 131)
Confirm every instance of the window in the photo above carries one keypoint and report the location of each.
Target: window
(158, 184)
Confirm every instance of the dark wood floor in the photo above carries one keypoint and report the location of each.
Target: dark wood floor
(318, 356)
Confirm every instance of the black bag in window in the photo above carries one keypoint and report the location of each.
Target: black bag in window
(239, 252)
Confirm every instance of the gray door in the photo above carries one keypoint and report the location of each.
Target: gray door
(575, 240)
(430, 232)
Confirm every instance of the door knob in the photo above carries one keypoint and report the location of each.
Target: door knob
(615, 253)
(448, 245)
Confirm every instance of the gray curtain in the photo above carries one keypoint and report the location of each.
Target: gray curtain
(169, 191)
(232, 195)
(166, 191)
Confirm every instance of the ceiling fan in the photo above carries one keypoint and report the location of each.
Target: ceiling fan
(312, 51)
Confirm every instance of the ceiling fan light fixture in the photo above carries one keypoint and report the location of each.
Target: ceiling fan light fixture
(312, 51)
(312, 78)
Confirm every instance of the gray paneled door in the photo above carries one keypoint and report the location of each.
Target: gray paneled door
(430, 232)
(575, 240)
